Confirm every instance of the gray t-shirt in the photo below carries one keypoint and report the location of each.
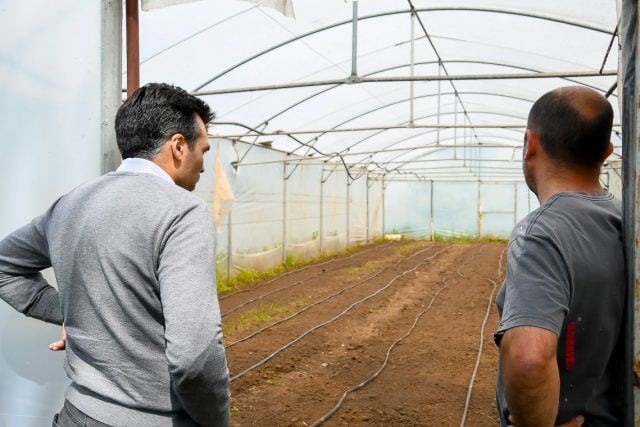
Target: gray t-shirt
(565, 273)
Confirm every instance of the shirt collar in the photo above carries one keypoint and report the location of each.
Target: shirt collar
(138, 165)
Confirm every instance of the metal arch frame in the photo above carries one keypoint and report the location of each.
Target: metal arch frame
(439, 78)
(416, 97)
(453, 146)
(365, 153)
(437, 148)
(400, 168)
(329, 157)
(411, 10)
(266, 122)
(406, 138)
(409, 149)
(405, 151)
(336, 130)
(458, 167)
(346, 150)
(305, 99)
(433, 147)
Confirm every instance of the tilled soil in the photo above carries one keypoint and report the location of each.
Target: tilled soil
(397, 323)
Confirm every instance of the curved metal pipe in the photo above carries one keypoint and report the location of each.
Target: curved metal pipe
(425, 9)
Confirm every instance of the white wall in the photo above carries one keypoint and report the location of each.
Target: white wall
(51, 101)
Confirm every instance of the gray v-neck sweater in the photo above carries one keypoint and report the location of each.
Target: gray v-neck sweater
(134, 260)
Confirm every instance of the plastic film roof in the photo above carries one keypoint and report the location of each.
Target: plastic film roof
(438, 90)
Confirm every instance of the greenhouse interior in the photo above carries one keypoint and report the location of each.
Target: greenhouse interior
(338, 123)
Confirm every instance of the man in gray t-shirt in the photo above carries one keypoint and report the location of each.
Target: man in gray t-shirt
(562, 301)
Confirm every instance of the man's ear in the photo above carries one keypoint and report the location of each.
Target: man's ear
(178, 146)
(532, 143)
(608, 151)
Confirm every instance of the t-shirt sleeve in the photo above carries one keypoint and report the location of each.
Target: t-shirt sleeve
(537, 288)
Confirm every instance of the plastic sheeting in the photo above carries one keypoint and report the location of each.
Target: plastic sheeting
(287, 212)
(50, 102)
(475, 39)
(303, 204)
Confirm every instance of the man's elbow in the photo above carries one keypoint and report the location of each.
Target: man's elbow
(204, 372)
(525, 371)
(204, 392)
(528, 355)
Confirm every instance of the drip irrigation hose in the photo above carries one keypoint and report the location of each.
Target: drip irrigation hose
(291, 285)
(335, 408)
(376, 274)
(280, 276)
(484, 323)
(333, 319)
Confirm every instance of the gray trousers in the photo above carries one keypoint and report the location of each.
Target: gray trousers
(70, 416)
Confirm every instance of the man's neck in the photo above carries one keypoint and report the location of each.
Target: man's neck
(569, 181)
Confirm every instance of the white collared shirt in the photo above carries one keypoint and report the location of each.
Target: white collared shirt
(138, 165)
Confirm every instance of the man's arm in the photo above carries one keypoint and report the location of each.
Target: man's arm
(23, 254)
(530, 375)
(193, 331)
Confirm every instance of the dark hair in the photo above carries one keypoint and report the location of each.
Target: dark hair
(574, 125)
(153, 114)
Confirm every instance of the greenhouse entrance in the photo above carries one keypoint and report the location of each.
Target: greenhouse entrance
(364, 177)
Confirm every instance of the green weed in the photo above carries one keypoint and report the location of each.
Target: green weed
(468, 239)
(261, 314)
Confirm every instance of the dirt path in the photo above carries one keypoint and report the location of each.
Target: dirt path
(374, 297)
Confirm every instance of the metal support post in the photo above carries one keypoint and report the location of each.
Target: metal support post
(367, 209)
(229, 245)
(111, 81)
(133, 47)
(464, 140)
(284, 213)
(412, 83)
(630, 87)
(354, 41)
(515, 203)
(348, 193)
(383, 208)
(439, 102)
(455, 129)
(479, 210)
(433, 231)
(321, 231)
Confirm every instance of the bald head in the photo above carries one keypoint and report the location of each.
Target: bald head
(574, 125)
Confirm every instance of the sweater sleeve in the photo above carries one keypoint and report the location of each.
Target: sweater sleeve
(193, 331)
(23, 254)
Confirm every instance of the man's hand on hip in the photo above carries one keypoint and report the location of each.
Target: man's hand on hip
(61, 344)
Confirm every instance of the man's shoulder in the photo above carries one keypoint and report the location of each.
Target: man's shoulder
(569, 207)
(144, 190)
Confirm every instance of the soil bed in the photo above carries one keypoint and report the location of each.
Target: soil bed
(350, 311)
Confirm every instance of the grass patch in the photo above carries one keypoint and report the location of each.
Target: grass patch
(469, 239)
(357, 269)
(408, 245)
(261, 314)
(246, 277)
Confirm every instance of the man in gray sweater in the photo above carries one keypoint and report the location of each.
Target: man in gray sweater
(133, 256)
